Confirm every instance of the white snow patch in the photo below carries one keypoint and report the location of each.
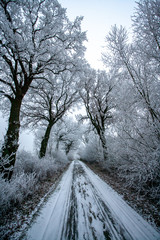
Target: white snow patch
(84, 207)
(132, 222)
(49, 222)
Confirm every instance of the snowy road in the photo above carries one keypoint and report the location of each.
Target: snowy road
(85, 207)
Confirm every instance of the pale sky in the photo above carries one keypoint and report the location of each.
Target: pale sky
(99, 16)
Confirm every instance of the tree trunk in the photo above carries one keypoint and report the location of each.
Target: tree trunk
(103, 142)
(104, 146)
(57, 145)
(44, 142)
(11, 139)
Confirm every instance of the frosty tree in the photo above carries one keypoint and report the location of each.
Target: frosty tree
(97, 98)
(140, 59)
(69, 133)
(139, 63)
(138, 101)
(35, 37)
(50, 101)
(146, 23)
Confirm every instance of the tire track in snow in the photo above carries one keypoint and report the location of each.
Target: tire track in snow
(51, 219)
(93, 221)
(128, 223)
(83, 207)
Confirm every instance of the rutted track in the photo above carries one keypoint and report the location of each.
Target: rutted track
(84, 207)
(92, 216)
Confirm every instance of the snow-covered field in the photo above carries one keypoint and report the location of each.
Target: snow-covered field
(85, 207)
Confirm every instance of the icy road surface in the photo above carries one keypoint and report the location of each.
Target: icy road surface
(85, 207)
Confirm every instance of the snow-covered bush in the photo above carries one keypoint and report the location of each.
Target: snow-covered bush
(143, 175)
(28, 174)
(16, 190)
(92, 150)
(60, 157)
(43, 168)
(72, 155)
(25, 162)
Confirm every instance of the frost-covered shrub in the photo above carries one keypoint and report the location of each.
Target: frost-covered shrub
(137, 162)
(71, 156)
(43, 168)
(60, 157)
(91, 151)
(29, 171)
(143, 175)
(25, 162)
(16, 190)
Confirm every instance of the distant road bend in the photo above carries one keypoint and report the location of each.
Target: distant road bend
(85, 207)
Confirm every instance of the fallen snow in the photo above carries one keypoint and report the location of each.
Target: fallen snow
(50, 218)
(130, 222)
(84, 207)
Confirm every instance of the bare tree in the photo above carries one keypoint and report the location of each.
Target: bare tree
(69, 134)
(35, 37)
(146, 26)
(97, 98)
(135, 146)
(50, 101)
(139, 69)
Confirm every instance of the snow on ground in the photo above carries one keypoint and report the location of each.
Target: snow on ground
(131, 225)
(84, 207)
(50, 218)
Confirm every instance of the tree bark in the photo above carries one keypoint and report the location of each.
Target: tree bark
(44, 142)
(104, 145)
(11, 139)
(103, 142)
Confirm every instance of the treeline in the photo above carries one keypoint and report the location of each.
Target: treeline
(41, 60)
(44, 75)
(123, 103)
